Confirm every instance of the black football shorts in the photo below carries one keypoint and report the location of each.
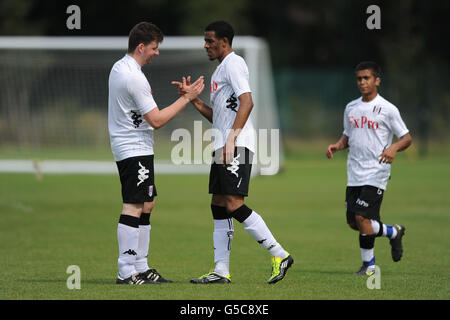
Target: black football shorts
(364, 201)
(233, 179)
(137, 179)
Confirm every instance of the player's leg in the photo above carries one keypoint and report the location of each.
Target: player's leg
(236, 181)
(134, 178)
(128, 239)
(394, 233)
(351, 194)
(365, 204)
(380, 229)
(143, 248)
(384, 230)
(366, 244)
(222, 239)
(255, 225)
(222, 234)
(147, 192)
(144, 237)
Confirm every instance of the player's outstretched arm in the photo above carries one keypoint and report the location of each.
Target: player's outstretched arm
(403, 143)
(340, 145)
(202, 107)
(158, 118)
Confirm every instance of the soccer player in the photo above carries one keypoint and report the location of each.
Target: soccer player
(234, 145)
(132, 117)
(369, 125)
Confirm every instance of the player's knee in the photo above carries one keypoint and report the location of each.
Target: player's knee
(364, 224)
(231, 207)
(360, 221)
(219, 212)
(242, 213)
(132, 209)
(218, 200)
(232, 203)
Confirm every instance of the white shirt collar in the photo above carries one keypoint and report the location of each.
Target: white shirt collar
(228, 55)
(371, 101)
(130, 58)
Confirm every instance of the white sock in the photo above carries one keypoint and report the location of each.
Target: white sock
(141, 264)
(128, 238)
(222, 238)
(367, 256)
(388, 230)
(258, 229)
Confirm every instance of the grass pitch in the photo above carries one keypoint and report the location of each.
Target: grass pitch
(62, 220)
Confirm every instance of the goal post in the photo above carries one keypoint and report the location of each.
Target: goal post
(54, 103)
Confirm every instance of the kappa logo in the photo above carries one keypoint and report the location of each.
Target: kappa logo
(136, 117)
(234, 166)
(232, 102)
(130, 252)
(142, 174)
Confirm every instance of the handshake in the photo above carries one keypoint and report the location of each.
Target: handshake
(190, 91)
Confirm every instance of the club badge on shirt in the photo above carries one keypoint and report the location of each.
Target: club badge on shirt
(150, 191)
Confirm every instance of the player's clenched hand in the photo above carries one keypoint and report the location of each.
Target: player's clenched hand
(332, 148)
(388, 155)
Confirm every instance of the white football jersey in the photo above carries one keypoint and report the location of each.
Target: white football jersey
(370, 127)
(130, 97)
(228, 82)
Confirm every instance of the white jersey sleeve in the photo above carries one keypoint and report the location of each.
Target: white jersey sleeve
(237, 75)
(141, 93)
(396, 123)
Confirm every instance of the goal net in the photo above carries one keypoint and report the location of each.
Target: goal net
(54, 104)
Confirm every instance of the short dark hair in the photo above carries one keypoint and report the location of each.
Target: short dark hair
(222, 29)
(143, 32)
(369, 65)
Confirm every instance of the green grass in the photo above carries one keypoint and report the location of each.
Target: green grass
(61, 220)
